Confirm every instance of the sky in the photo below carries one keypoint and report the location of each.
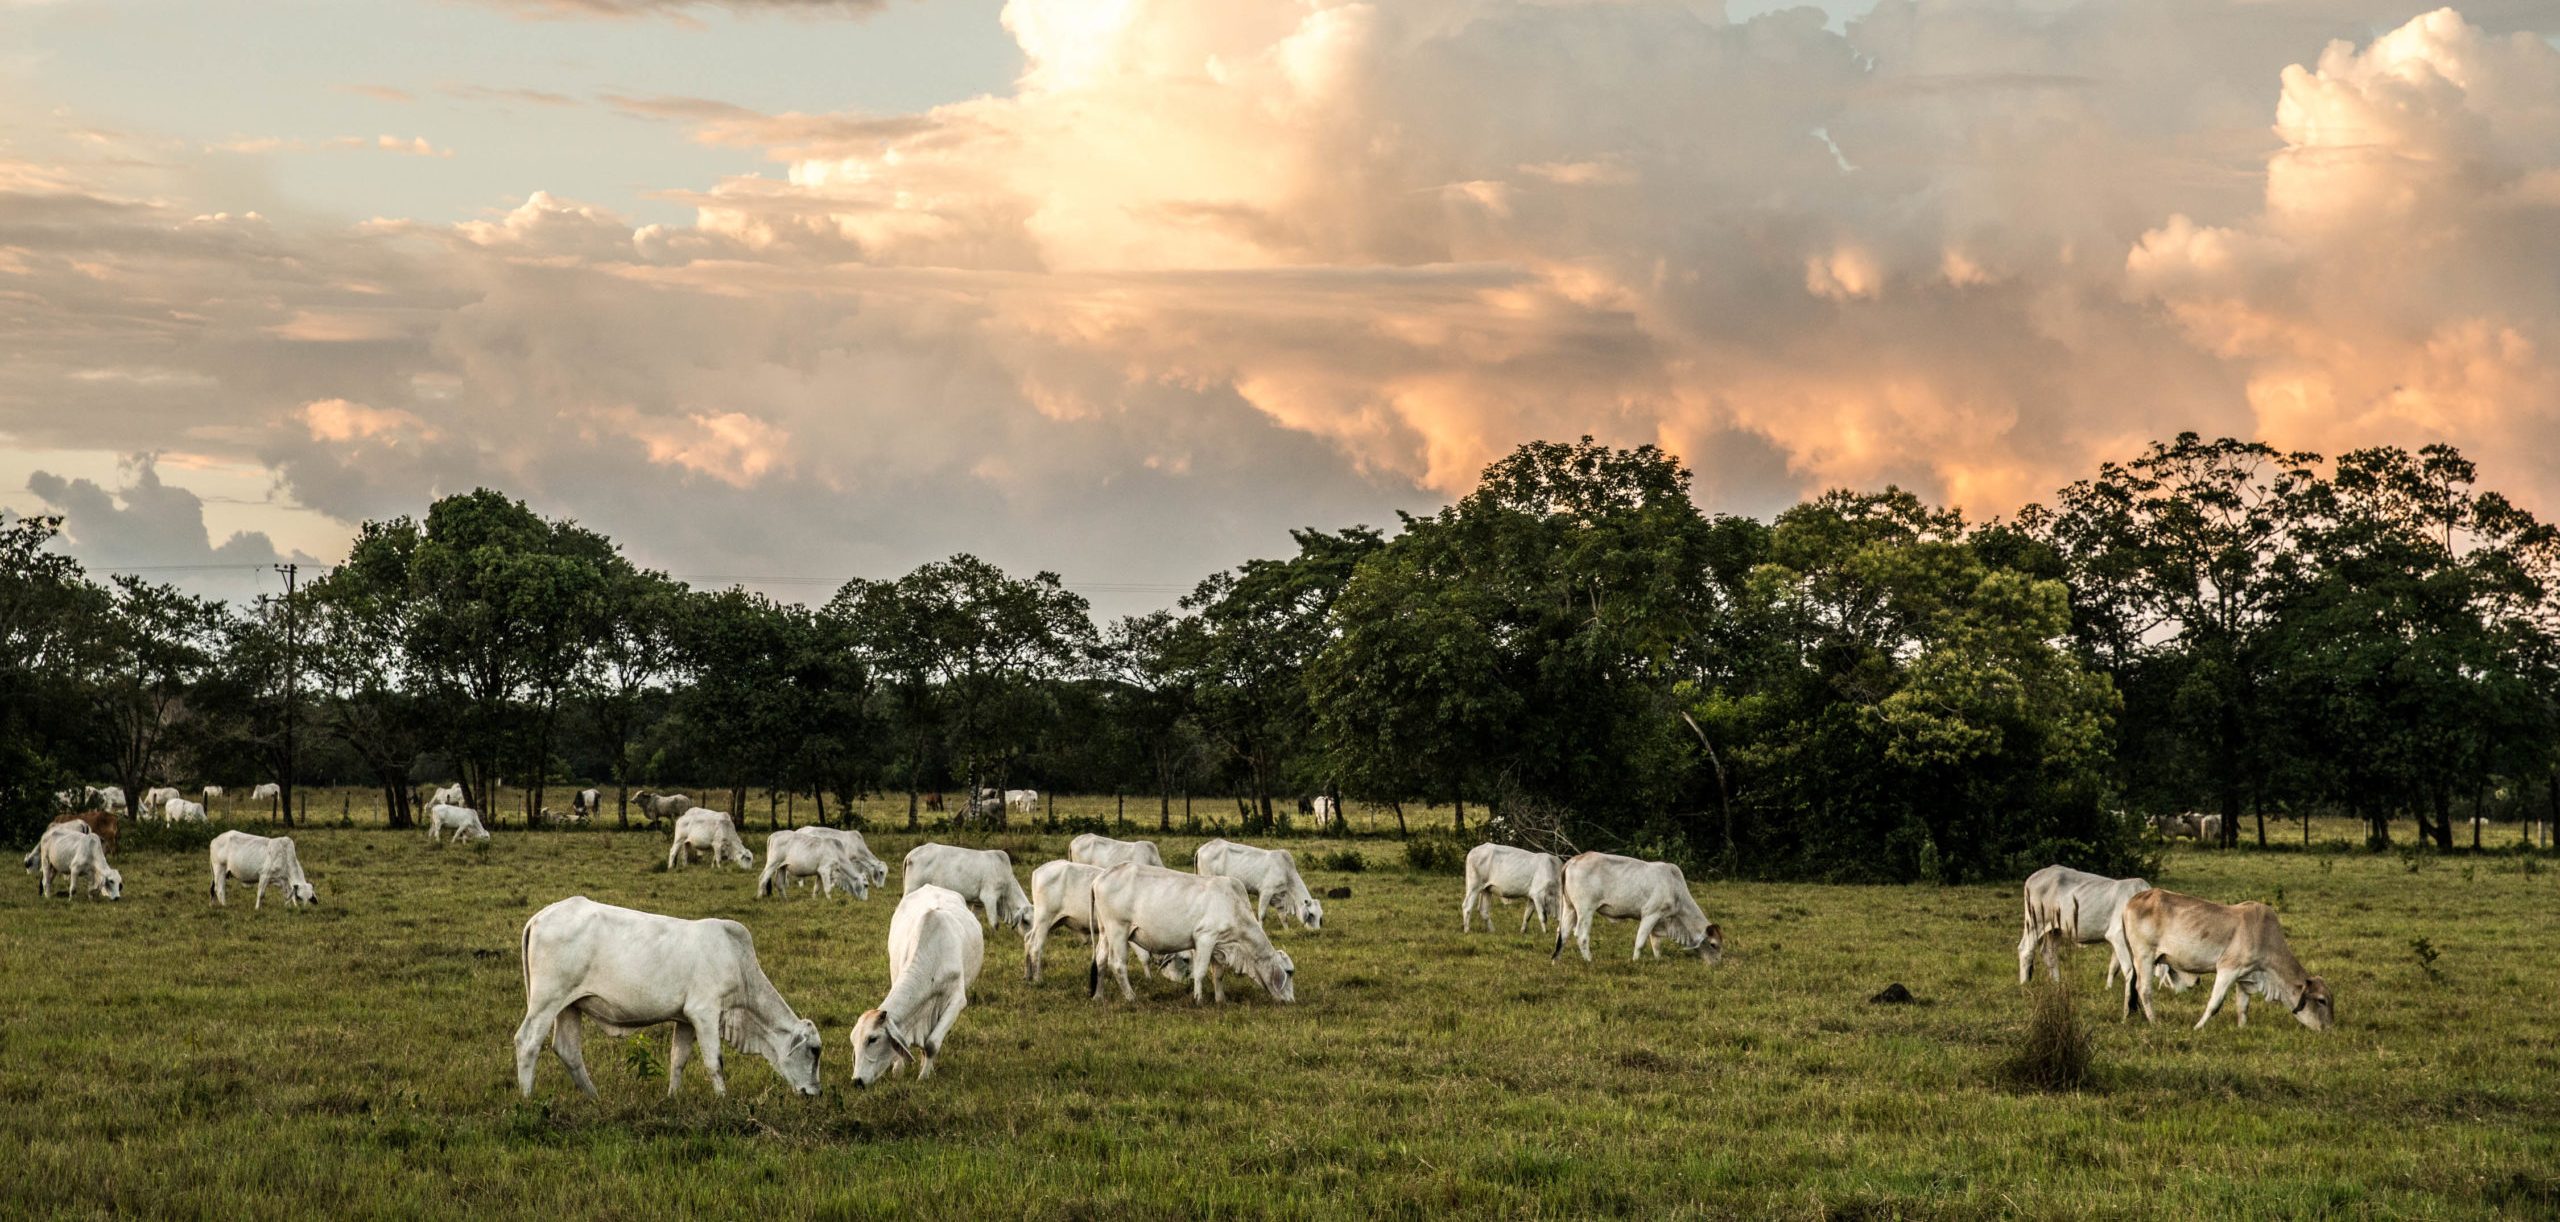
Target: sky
(787, 292)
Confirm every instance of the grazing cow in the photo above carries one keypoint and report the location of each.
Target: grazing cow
(1499, 871)
(266, 792)
(2063, 904)
(659, 808)
(2181, 937)
(935, 952)
(1062, 894)
(449, 795)
(464, 821)
(159, 797)
(1268, 874)
(1165, 912)
(268, 860)
(982, 876)
(584, 804)
(1025, 800)
(1094, 849)
(212, 792)
(630, 971)
(71, 849)
(873, 869)
(796, 855)
(704, 830)
(933, 801)
(1653, 894)
(112, 798)
(102, 823)
(1321, 809)
(180, 810)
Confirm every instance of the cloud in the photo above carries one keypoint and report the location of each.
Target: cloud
(646, 8)
(412, 146)
(157, 530)
(1215, 270)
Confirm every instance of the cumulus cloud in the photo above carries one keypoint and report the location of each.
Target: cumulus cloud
(1214, 270)
(156, 529)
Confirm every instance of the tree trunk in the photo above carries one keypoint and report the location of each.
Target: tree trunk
(2258, 804)
(1402, 832)
(1460, 815)
(2443, 830)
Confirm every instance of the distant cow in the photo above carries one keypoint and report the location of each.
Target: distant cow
(265, 860)
(80, 799)
(70, 849)
(1094, 849)
(1269, 875)
(659, 808)
(1025, 800)
(1166, 912)
(1321, 809)
(1499, 871)
(2241, 944)
(630, 970)
(796, 855)
(935, 951)
(212, 792)
(2067, 904)
(1062, 894)
(703, 830)
(982, 876)
(180, 810)
(1653, 894)
(449, 795)
(584, 804)
(158, 797)
(102, 823)
(874, 870)
(464, 822)
(266, 792)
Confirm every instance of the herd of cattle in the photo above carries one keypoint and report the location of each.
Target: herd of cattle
(628, 970)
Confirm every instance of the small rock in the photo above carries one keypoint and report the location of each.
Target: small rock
(1893, 995)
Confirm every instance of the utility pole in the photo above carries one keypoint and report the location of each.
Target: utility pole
(292, 676)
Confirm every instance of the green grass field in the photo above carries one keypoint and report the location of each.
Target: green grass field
(164, 1057)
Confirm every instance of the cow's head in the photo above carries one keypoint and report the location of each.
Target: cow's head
(853, 878)
(742, 855)
(297, 893)
(1268, 966)
(1709, 944)
(110, 884)
(793, 1050)
(1175, 967)
(1311, 912)
(878, 1047)
(2315, 1008)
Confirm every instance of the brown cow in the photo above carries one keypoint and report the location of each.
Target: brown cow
(103, 822)
(2241, 944)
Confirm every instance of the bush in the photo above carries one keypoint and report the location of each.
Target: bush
(157, 836)
(1344, 861)
(1436, 852)
(2055, 1055)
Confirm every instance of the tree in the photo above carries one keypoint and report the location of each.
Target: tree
(367, 694)
(1243, 659)
(154, 644)
(1140, 656)
(633, 653)
(49, 618)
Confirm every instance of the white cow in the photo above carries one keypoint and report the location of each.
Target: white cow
(1022, 799)
(268, 860)
(1321, 808)
(267, 792)
(658, 808)
(71, 849)
(180, 810)
(873, 869)
(982, 876)
(1268, 874)
(449, 795)
(1165, 912)
(584, 804)
(2067, 904)
(796, 855)
(935, 952)
(1062, 894)
(1653, 894)
(2179, 937)
(212, 792)
(631, 970)
(704, 830)
(1499, 871)
(159, 797)
(464, 821)
(111, 797)
(1094, 849)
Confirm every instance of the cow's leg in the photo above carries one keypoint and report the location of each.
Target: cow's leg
(2240, 1004)
(1467, 907)
(1644, 933)
(679, 1050)
(2028, 942)
(260, 899)
(1203, 966)
(566, 1032)
(220, 896)
(2143, 988)
(674, 849)
(538, 1015)
(1525, 911)
(1582, 934)
(706, 1037)
(2222, 982)
(1031, 948)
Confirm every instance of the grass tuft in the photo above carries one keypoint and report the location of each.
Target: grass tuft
(2054, 1055)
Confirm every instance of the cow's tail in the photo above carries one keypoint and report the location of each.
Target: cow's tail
(524, 956)
(1564, 921)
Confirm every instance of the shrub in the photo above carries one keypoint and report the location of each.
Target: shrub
(2427, 954)
(2054, 1054)
(1435, 852)
(1343, 861)
(157, 836)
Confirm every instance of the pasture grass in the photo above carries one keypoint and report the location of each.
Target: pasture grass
(164, 1057)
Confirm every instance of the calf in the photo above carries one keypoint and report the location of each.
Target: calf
(2063, 904)
(267, 860)
(1267, 874)
(935, 952)
(464, 821)
(704, 830)
(2241, 944)
(1093, 849)
(1164, 912)
(796, 855)
(631, 970)
(1499, 871)
(1653, 894)
(71, 850)
(982, 876)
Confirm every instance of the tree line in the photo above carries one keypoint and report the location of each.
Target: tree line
(1866, 686)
